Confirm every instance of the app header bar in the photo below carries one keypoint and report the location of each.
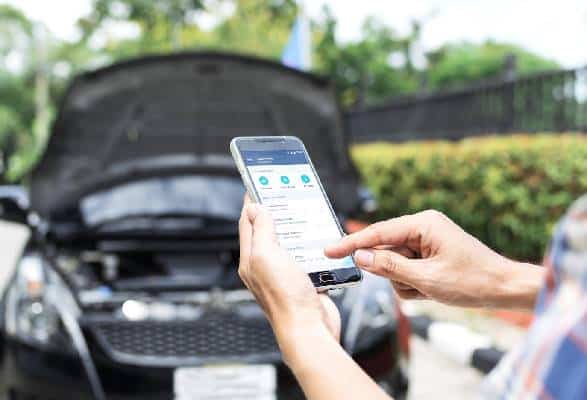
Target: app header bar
(275, 157)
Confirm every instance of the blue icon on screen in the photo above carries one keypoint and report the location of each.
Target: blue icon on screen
(305, 178)
(263, 180)
(284, 179)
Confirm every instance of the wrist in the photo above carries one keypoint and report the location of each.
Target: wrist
(298, 334)
(300, 344)
(520, 285)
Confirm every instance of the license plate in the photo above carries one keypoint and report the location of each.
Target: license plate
(235, 382)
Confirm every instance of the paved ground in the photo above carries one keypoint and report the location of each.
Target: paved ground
(436, 377)
(503, 334)
(433, 375)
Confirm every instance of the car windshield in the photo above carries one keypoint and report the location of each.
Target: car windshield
(202, 196)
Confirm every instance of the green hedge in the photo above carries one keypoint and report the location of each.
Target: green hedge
(507, 191)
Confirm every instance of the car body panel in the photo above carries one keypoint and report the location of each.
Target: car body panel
(117, 124)
(47, 376)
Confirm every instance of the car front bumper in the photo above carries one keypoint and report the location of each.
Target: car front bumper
(29, 373)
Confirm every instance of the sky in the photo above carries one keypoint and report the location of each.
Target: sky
(553, 29)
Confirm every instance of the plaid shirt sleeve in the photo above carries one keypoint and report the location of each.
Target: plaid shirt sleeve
(551, 363)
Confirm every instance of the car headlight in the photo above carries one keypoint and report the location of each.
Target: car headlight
(371, 312)
(35, 304)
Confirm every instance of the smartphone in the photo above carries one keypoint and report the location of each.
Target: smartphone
(278, 174)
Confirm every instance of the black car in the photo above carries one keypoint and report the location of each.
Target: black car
(128, 285)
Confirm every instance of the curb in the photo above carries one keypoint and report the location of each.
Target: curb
(458, 342)
(516, 318)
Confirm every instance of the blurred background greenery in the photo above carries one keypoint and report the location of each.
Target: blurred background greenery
(363, 70)
(508, 191)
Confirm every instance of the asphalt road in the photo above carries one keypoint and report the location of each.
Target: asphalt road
(433, 375)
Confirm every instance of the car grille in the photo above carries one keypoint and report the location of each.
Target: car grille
(215, 336)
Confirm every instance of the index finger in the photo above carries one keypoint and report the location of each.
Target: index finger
(397, 232)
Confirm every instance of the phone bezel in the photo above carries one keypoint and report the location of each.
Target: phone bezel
(344, 277)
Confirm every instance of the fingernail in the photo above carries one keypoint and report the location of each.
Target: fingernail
(364, 258)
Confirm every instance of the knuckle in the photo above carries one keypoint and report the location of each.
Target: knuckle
(377, 230)
(422, 231)
(434, 214)
(430, 218)
(345, 241)
(388, 263)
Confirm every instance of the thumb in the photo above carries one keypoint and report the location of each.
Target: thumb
(388, 264)
(262, 224)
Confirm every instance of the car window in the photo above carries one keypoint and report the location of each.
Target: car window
(210, 196)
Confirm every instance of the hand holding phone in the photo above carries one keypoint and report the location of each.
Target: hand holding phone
(280, 287)
(278, 173)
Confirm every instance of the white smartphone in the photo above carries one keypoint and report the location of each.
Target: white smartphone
(278, 173)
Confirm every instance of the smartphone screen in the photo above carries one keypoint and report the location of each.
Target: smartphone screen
(285, 183)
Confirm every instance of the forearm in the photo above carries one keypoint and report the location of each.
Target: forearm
(323, 369)
(519, 285)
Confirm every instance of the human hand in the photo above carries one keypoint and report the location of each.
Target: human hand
(428, 256)
(282, 289)
(306, 324)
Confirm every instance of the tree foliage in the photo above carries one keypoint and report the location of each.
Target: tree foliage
(462, 63)
(365, 70)
(258, 27)
(361, 70)
(16, 100)
(157, 19)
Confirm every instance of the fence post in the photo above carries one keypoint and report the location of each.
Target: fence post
(509, 77)
(510, 66)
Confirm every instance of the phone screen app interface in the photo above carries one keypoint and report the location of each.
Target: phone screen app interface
(304, 224)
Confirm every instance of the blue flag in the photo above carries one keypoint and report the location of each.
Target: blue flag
(297, 52)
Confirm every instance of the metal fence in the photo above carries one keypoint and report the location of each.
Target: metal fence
(553, 101)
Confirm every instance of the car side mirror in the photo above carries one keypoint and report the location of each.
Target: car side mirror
(14, 204)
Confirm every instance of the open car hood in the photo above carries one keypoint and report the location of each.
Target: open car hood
(176, 114)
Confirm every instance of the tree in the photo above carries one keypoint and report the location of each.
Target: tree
(464, 63)
(17, 100)
(258, 27)
(29, 89)
(158, 20)
(361, 70)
